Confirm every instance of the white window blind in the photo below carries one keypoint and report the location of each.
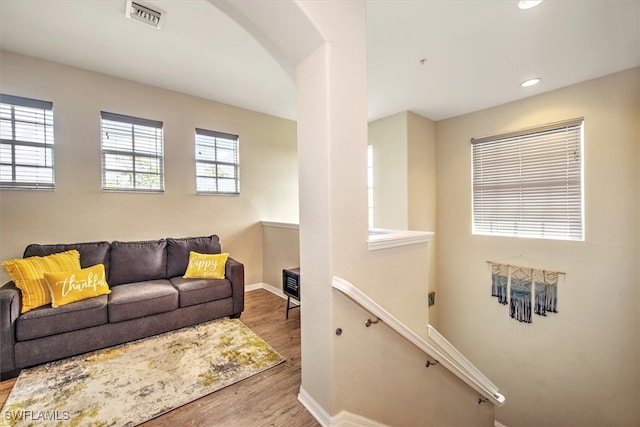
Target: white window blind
(26, 143)
(217, 162)
(132, 153)
(529, 183)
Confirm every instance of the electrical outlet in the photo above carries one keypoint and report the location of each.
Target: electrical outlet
(432, 298)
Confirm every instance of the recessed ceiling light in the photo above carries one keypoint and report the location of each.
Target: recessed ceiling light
(530, 82)
(528, 4)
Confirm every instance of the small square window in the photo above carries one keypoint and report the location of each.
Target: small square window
(132, 153)
(217, 162)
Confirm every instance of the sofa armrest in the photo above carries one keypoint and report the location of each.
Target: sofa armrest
(234, 272)
(10, 301)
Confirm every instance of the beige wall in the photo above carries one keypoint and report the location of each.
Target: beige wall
(404, 180)
(79, 211)
(421, 175)
(578, 367)
(421, 187)
(281, 249)
(404, 164)
(388, 136)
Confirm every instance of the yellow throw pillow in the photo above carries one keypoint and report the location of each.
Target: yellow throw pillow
(28, 275)
(206, 266)
(71, 286)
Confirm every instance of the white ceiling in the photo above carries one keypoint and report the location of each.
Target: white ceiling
(476, 51)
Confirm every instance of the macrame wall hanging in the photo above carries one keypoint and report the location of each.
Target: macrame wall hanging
(499, 279)
(546, 286)
(524, 285)
(520, 306)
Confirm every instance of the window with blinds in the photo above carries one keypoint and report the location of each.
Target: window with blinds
(132, 153)
(529, 183)
(217, 162)
(26, 143)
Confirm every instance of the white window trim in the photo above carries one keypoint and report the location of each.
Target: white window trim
(370, 188)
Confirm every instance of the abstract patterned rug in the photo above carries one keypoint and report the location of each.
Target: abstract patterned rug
(135, 382)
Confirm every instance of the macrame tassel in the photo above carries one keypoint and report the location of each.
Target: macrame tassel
(540, 306)
(499, 279)
(551, 291)
(520, 308)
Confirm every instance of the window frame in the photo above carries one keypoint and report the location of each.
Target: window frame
(370, 186)
(42, 129)
(530, 183)
(140, 129)
(205, 136)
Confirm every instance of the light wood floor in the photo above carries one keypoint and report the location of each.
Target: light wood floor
(267, 399)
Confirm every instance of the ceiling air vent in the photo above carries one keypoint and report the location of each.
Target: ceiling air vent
(144, 13)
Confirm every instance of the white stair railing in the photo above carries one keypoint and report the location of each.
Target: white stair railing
(445, 353)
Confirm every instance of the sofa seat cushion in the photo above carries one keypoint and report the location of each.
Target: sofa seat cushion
(45, 321)
(198, 291)
(140, 299)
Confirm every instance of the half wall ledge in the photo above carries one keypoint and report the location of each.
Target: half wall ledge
(380, 238)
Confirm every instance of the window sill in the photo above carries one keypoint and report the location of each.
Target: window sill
(383, 239)
(289, 225)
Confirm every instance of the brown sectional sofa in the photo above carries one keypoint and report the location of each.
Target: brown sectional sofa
(148, 296)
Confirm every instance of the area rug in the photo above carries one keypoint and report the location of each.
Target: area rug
(135, 382)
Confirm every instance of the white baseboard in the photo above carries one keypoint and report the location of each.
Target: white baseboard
(343, 419)
(268, 287)
(314, 408)
(347, 419)
(260, 285)
(497, 424)
(253, 287)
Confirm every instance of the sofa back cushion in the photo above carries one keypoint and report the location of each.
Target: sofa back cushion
(137, 261)
(91, 253)
(178, 252)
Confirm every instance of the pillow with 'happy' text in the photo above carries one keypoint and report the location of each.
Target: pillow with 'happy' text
(206, 266)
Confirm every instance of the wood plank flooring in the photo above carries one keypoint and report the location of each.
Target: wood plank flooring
(267, 399)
